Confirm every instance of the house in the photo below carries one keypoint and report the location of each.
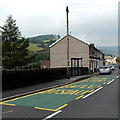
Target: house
(108, 60)
(45, 64)
(96, 58)
(81, 54)
(58, 51)
(114, 60)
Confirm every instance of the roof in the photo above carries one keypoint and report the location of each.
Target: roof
(108, 57)
(56, 41)
(45, 62)
(92, 45)
(63, 38)
(74, 38)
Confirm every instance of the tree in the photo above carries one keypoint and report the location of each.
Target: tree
(118, 59)
(14, 46)
(58, 36)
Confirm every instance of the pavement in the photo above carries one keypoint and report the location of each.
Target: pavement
(8, 94)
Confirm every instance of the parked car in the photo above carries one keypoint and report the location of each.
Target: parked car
(115, 65)
(105, 70)
(112, 67)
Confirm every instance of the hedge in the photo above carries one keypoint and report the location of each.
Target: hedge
(20, 78)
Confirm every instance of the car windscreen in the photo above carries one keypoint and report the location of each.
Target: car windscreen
(104, 67)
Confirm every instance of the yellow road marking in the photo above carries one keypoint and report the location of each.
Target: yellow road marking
(42, 91)
(44, 109)
(91, 86)
(52, 109)
(86, 80)
(99, 86)
(7, 104)
(24, 96)
(79, 97)
(104, 82)
(61, 107)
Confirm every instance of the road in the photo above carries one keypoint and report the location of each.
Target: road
(96, 97)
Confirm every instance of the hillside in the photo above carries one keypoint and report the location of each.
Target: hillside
(110, 50)
(40, 45)
(41, 39)
(34, 47)
(42, 42)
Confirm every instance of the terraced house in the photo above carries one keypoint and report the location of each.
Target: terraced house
(81, 54)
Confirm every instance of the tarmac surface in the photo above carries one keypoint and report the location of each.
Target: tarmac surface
(60, 96)
(99, 99)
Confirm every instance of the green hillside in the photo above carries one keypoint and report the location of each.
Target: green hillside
(43, 38)
(42, 42)
(34, 47)
(40, 45)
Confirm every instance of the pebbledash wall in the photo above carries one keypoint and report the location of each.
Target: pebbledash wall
(77, 49)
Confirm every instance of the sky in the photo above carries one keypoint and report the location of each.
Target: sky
(92, 21)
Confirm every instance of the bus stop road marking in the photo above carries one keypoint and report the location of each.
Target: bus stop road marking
(57, 98)
(52, 109)
(7, 104)
(79, 97)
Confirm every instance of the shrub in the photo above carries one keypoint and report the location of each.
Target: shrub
(20, 78)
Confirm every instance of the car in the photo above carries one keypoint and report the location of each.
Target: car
(112, 67)
(105, 70)
(115, 65)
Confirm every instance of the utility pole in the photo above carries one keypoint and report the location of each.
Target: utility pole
(68, 69)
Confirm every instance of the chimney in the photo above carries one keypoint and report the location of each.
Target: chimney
(92, 45)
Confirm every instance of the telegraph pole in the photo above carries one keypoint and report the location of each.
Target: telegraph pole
(68, 69)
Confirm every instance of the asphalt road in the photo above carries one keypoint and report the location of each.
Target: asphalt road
(100, 102)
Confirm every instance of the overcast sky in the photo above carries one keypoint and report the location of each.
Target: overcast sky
(93, 21)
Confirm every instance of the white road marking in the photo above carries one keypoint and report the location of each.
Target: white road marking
(118, 76)
(92, 92)
(110, 81)
(50, 116)
(8, 111)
